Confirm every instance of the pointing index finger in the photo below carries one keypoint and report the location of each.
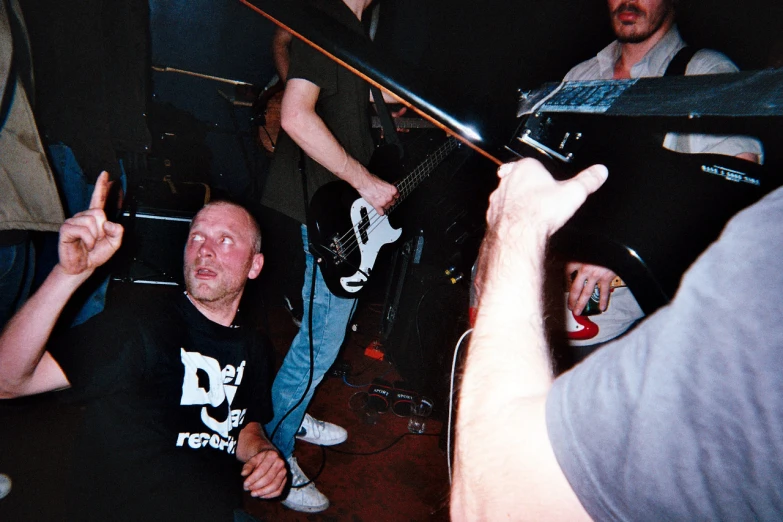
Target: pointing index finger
(101, 192)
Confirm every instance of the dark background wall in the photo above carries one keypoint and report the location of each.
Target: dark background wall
(223, 39)
(478, 52)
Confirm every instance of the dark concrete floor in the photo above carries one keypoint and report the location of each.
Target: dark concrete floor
(407, 481)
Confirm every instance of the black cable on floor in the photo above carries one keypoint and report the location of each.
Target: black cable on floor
(358, 453)
(376, 452)
(317, 473)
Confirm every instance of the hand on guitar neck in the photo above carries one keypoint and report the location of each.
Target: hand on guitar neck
(378, 193)
(345, 234)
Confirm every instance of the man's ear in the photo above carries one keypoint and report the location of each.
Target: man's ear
(256, 265)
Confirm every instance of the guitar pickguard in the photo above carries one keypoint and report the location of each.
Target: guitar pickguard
(345, 232)
(371, 233)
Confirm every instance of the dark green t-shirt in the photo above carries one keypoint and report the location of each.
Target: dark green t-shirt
(343, 105)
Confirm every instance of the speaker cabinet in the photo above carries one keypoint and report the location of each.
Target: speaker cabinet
(424, 315)
(157, 220)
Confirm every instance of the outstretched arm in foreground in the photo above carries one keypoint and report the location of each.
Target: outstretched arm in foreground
(505, 468)
(87, 241)
(264, 470)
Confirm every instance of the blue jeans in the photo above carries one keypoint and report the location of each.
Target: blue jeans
(17, 267)
(77, 193)
(71, 178)
(330, 319)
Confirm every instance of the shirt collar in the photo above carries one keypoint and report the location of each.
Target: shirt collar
(607, 58)
(236, 323)
(657, 59)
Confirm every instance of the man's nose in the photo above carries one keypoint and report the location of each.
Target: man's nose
(206, 250)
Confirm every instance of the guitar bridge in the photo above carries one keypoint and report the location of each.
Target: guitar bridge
(338, 251)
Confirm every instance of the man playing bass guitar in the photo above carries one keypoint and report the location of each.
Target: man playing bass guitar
(325, 121)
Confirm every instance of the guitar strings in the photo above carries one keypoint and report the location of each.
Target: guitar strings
(351, 238)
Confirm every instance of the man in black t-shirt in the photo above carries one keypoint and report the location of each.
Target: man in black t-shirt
(325, 116)
(173, 394)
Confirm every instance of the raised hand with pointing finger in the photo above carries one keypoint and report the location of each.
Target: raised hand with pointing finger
(88, 239)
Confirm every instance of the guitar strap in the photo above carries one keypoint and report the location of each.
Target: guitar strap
(389, 130)
(680, 61)
(304, 185)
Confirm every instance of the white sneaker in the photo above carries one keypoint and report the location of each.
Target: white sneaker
(320, 432)
(306, 499)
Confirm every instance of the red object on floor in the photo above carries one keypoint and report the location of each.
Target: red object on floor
(374, 351)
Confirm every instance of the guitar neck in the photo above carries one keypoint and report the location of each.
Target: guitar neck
(404, 123)
(409, 183)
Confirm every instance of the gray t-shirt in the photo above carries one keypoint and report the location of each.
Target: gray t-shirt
(683, 418)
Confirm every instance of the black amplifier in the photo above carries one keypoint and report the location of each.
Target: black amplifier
(157, 219)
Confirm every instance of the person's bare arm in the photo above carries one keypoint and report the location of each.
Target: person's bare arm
(281, 46)
(264, 470)
(87, 241)
(308, 130)
(749, 156)
(504, 465)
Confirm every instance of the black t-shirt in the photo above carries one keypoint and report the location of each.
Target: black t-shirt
(343, 105)
(165, 393)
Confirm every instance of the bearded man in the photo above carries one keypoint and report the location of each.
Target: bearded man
(648, 44)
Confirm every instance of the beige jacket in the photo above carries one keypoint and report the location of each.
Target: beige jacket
(28, 195)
